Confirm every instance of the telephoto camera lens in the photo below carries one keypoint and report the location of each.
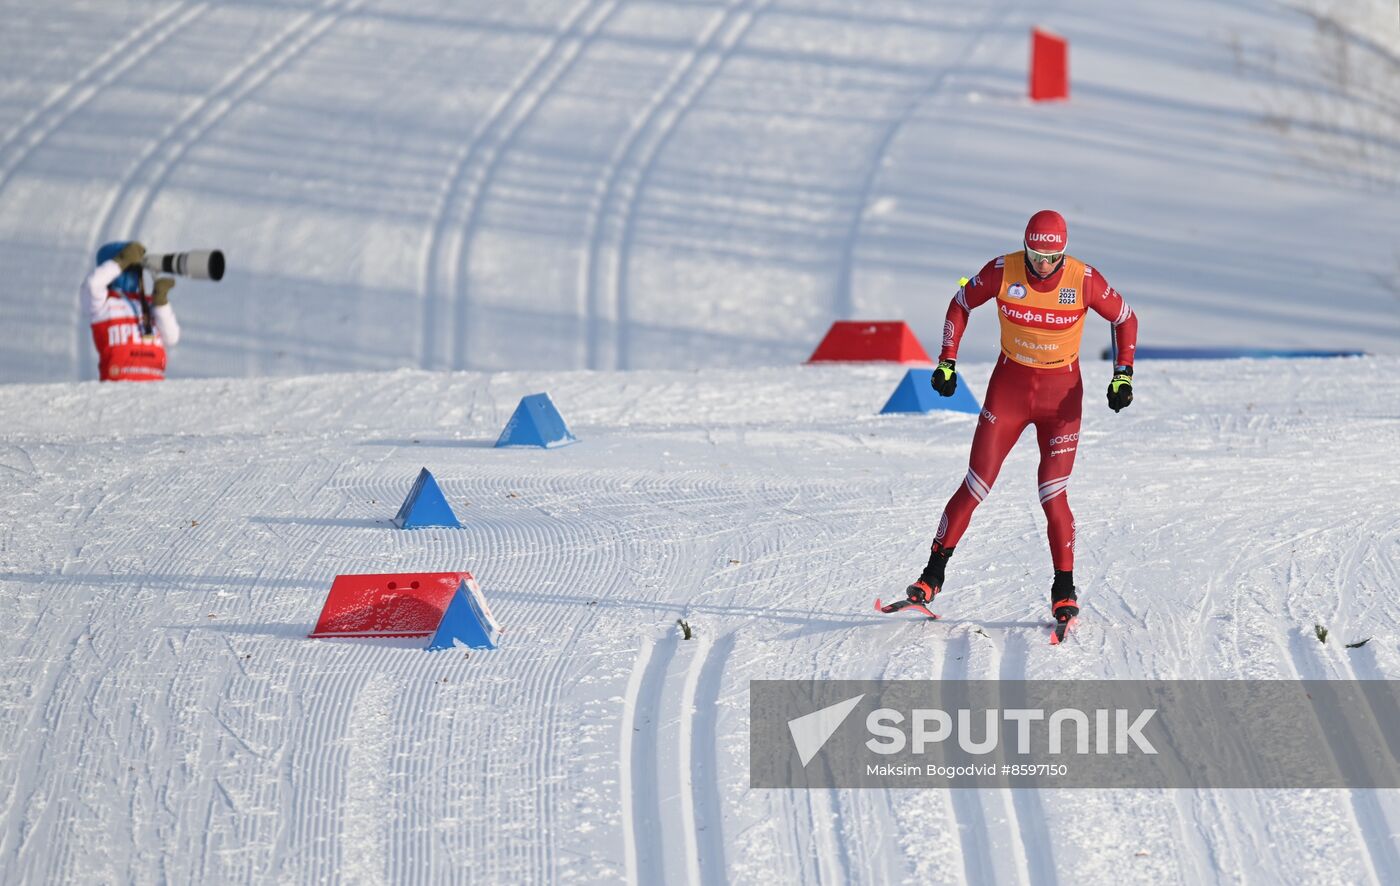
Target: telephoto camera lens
(200, 264)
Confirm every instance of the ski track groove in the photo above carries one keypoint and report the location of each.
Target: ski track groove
(661, 846)
(1369, 819)
(127, 208)
(622, 177)
(1026, 805)
(826, 820)
(700, 503)
(1203, 855)
(40, 123)
(978, 854)
(472, 169)
(844, 305)
(685, 772)
(709, 808)
(1307, 660)
(645, 835)
(821, 823)
(214, 106)
(1002, 843)
(237, 716)
(1314, 661)
(626, 759)
(883, 815)
(482, 162)
(726, 39)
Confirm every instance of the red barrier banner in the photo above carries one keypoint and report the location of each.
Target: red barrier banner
(861, 341)
(407, 604)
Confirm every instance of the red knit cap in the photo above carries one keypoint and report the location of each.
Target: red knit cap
(1046, 232)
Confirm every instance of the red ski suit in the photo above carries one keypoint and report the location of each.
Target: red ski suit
(1036, 381)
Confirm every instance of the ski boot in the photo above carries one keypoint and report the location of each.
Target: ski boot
(1064, 604)
(930, 582)
(921, 593)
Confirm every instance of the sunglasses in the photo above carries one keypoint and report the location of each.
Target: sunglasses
(1051, 257)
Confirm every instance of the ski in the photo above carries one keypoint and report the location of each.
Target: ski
(901, 605)
(1061, 631)
(1064, 620)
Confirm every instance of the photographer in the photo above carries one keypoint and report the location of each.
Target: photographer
(129, 328)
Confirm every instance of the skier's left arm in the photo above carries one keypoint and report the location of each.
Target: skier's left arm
(1110, 305)
(164, 313)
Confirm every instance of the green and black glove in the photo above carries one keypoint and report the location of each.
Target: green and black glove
(945, 377)
(130, 256)
(1120, 390)
(163, 286)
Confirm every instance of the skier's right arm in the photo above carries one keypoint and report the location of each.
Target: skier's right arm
(979, 289)
(94, 288)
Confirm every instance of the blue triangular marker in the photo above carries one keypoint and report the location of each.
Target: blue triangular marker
(425, 506)
(467, 620)
(536, 423)
(916, 394)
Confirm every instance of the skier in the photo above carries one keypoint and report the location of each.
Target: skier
(1042, 295)
(129, 328)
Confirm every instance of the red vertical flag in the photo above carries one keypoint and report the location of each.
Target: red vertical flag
(1049, 66)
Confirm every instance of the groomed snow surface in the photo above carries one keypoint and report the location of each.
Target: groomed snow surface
(652, 211)
(165, 718)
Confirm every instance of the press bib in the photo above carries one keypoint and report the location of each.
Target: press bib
(124, 353)
(1041, 329)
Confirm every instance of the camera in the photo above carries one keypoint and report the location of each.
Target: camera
(201, 265)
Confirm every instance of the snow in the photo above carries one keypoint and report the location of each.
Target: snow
(652, 211)
(167, 549)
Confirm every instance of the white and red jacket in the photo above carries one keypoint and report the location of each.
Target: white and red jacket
(124, 352)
